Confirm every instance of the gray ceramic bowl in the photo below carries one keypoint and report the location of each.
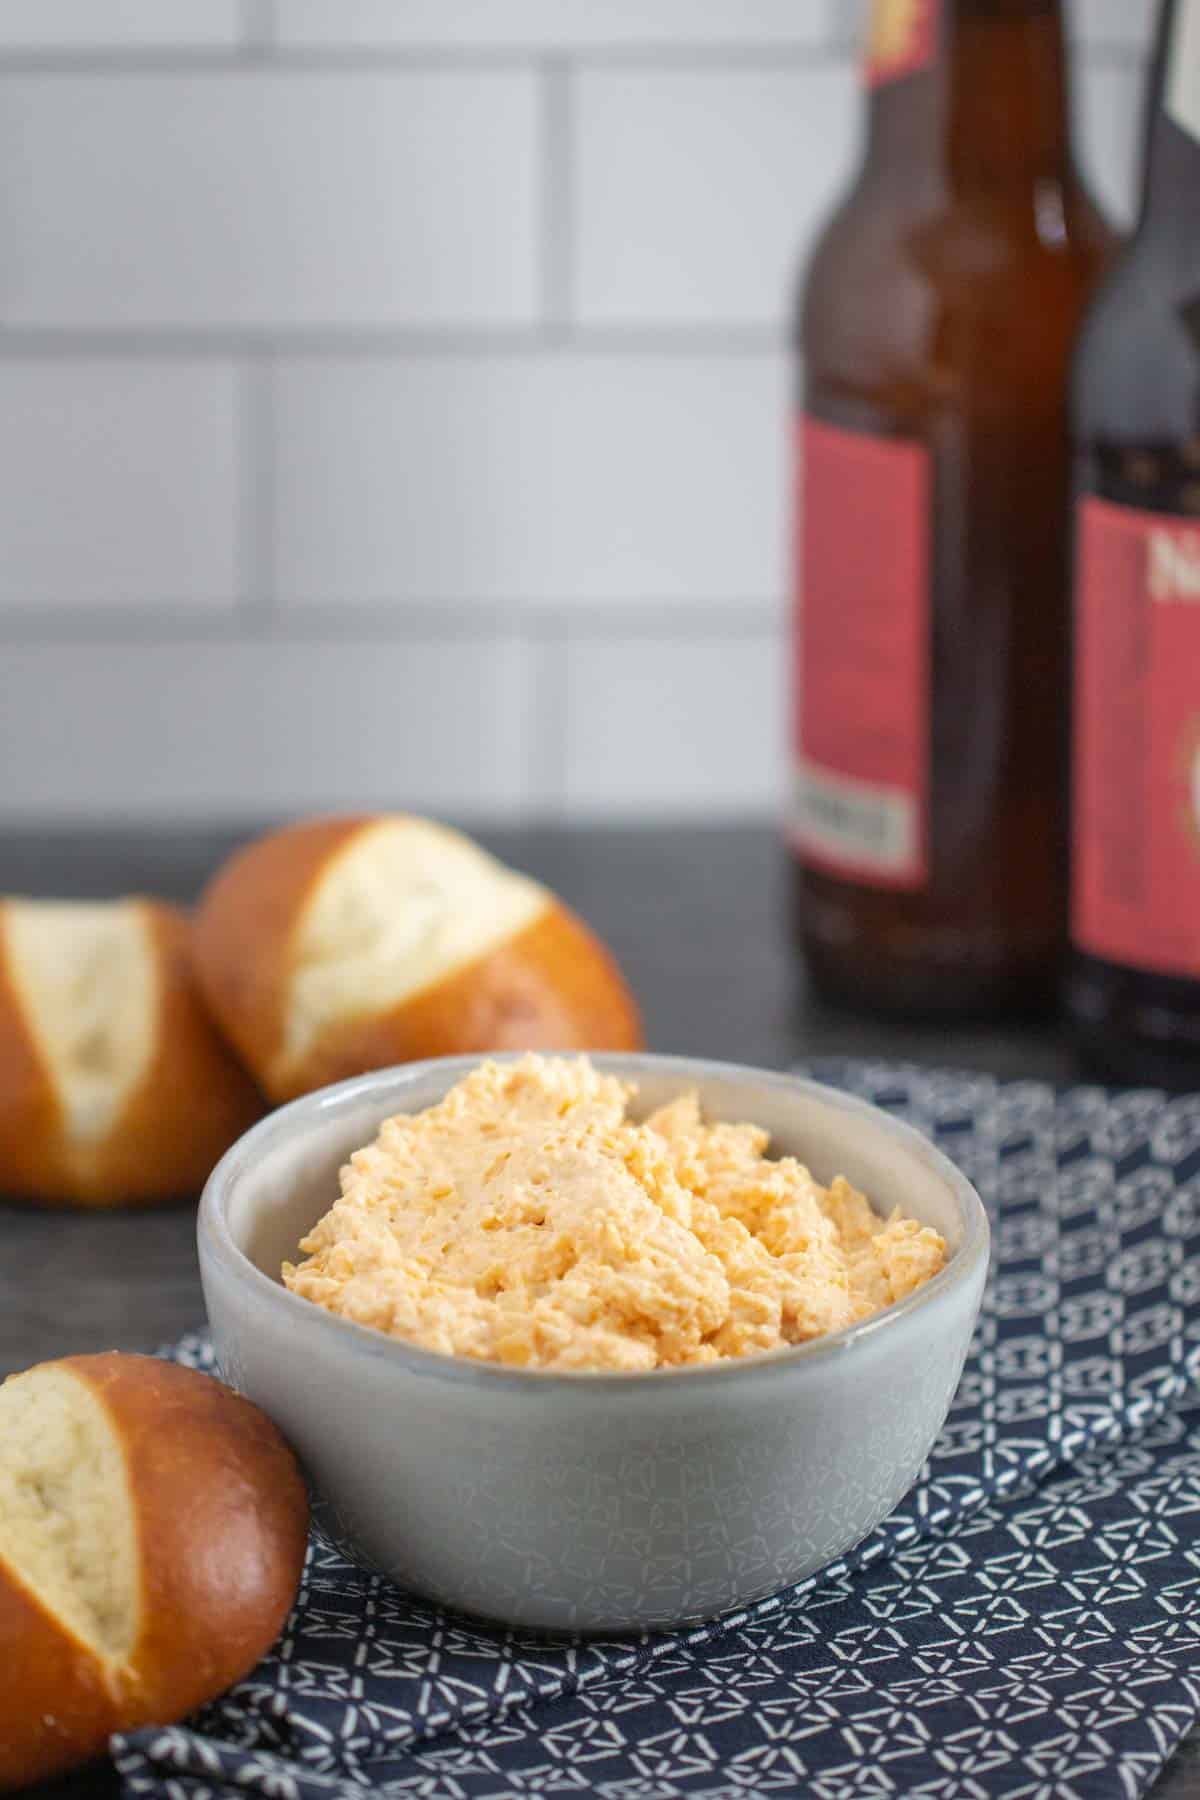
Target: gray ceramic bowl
(592, 1502)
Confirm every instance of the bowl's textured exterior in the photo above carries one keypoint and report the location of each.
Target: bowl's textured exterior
(592, 1502)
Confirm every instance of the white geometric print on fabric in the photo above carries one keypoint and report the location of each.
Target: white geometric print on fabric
(1027, 1622)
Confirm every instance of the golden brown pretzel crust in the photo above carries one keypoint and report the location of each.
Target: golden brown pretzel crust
(31, 1121)
(243, 930)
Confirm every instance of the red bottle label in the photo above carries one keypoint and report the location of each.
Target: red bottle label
(862, 656)
(902, 39)
(1136, 865)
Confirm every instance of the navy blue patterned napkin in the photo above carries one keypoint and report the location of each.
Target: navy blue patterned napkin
(1026, 1623)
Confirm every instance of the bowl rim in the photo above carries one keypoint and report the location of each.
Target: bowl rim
(215, 1238)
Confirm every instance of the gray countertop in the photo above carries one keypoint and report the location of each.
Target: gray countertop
(697, 917)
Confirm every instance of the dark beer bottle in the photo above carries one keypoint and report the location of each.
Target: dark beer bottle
(1134, 986)
(932, 618)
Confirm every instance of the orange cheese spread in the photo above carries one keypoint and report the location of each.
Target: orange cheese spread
(526, 1219)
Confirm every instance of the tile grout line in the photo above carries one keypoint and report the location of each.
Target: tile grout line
(258, 29)
(846, 24)
(353, 342)
(557, 223)
(259, 35)
(101, 822)
(144, 625)
(256, 499)
(259, 44)
(546, 757)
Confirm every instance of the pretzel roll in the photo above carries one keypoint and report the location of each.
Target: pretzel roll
(343, 945)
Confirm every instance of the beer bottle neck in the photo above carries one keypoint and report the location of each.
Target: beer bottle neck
(1171, 200)
(976, 101)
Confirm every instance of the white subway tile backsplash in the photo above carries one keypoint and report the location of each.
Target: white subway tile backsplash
(1109, 107)
(473, 497)
(546, 478)
(680, 725)
(553, 24)
(139, 731)
(698, 192)
(119, 24)
(119, 482)
(268, 198)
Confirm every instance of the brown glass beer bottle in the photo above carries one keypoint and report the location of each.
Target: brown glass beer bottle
(1134, 985)
(932, 615)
